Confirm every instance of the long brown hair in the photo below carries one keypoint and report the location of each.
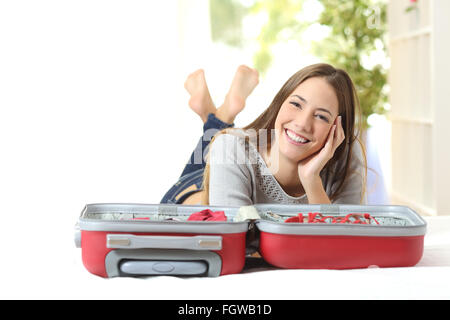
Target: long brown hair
(349, 109)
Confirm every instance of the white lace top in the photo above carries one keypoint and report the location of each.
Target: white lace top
(239, 175)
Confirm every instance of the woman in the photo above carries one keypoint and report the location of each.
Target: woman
(302, 149)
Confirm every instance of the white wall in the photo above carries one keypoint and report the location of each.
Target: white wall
(419, 50)
(89, 90)
(89, 112)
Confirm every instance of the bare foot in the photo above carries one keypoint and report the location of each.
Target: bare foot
(200, 101)
(244, 81)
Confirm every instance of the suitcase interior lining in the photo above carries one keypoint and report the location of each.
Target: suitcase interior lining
(270, 215)
(150, 215)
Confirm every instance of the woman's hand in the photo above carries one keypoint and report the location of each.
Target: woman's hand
(309, 168)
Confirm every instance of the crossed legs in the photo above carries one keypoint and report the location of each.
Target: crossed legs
(243, 83)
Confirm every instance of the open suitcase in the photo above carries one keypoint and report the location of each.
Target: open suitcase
(145, 239)
(393, 237)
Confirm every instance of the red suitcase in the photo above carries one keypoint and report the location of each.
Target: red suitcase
(393, 237)
(144, 239)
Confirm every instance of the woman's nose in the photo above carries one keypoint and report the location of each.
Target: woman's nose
(304, 122)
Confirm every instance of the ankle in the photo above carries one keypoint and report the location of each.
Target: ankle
(235, 104)
(223, 115)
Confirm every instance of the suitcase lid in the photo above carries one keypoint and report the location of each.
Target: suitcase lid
(131, 217)
(134, 217)
(393, 220)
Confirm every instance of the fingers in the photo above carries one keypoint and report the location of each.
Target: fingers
(331, 137)
(336, 135)
(340, 133)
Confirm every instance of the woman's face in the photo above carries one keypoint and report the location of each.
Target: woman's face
(305, 119)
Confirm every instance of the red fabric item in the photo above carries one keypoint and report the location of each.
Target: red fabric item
(298, 219)
(315, 217)
(208, 215)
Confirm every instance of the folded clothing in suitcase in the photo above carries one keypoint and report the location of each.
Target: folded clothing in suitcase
(382, 236)
(143, 239)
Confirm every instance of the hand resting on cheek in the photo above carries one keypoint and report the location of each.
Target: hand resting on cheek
(309, 168)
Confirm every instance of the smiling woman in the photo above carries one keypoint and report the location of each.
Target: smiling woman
(302, 149)
(309, 120)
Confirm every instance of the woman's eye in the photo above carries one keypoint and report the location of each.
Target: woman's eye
(323, 118)
(296, 104)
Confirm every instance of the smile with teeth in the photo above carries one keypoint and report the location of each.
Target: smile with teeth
(291, 135)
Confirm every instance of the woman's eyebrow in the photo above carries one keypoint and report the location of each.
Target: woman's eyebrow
(304, 100)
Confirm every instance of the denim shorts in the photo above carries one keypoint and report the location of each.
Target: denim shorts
(188, 184)
(191, 178)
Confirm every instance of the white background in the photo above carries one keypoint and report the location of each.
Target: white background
(89, 112)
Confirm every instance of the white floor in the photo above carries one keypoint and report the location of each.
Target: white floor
(48, 266)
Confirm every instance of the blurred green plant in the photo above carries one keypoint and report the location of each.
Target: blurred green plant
(282, 24)
(226, 21)
(226, 25)
(413, 6)
(357, 30)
